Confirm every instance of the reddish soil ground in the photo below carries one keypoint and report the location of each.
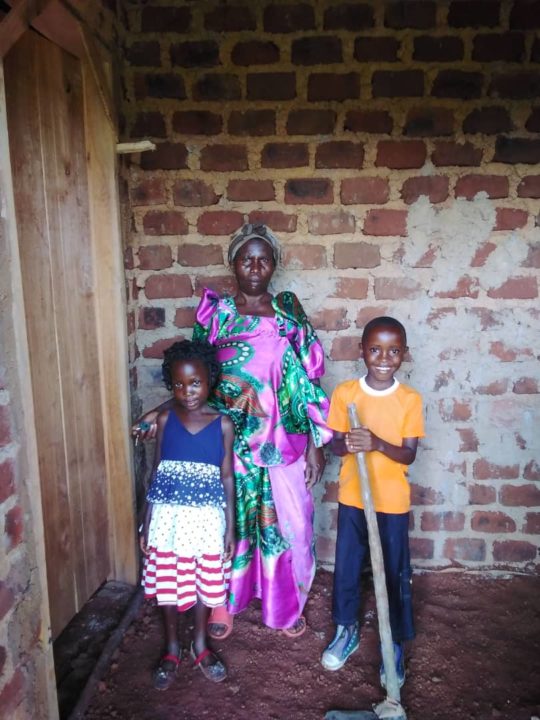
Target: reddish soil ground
(476, 657)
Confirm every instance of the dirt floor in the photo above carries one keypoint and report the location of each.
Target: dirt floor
(476, 656)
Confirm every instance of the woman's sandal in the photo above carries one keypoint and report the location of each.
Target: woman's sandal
(164, 676)
(220, 617)
(297, 629)
(216, 671)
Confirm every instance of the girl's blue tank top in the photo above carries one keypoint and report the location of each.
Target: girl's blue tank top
(205, 446)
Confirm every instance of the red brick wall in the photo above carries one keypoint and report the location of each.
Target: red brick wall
(394, 149)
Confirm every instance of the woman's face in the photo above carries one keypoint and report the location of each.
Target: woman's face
(254, 266)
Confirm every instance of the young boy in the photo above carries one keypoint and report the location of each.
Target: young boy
(391, 417)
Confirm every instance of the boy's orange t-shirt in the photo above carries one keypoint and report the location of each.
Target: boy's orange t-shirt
(392, 415)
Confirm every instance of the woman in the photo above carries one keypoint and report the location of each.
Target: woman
(270, 363)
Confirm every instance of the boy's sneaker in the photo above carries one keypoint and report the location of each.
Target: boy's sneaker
(399, 658)
(345, 642)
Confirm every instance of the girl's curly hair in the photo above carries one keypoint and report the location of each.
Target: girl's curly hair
(190, 350)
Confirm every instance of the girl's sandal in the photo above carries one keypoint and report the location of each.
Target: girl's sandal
(220, 623)
(167, 669)
(297, 629)
(216, 671)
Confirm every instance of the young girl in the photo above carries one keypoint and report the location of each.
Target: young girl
(187, 535)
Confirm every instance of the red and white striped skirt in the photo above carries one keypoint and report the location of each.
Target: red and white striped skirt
(185, 561)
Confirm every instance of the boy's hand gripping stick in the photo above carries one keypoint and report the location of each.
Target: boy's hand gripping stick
(379, 581)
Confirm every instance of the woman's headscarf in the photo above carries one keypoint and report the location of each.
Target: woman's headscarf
(253, 232)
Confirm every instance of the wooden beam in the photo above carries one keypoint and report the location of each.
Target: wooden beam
(17, 22)
(95, 63)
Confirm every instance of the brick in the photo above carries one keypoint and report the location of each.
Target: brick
(520, 495)
(458, 84)
(5, 425)
(284, 155)
(194, 193)
(447, 521)
(154, 257)
(421, 548)
(517, 150)
(251, 190)
(229, 18)
(473, 13)
(168, 286)
(485, 470)
(219, 222)
(166, 19)
(421, 495)
(311, 122)
(482, 495)
(224, 158)
(525, 386)
(151, 124)
(429, 122)
(255, 52)
(510, 219)
(497, 387)
(316, 50)
(330, 319)
(151, 318)
(160, 85)
(447, 48)
(197, 122)
(400, 154)
(399, 83)
(451, 410)
(459, 154)
(488, 121)
(376, 49)
(345, 347)
(367, 313)
(379, 122)
(185, 317)
(502, 351)
(278, 221)
(166, 156)
(331, 223)
(14, 527)
(309, 191)
(326, 87)
(271, 86)
(156, 350)
(385, 222)
(288, 18)
(514, 551)
(7, 480)
(339, 154)
(507, 47)
(533, 121)
(533, 256)
(532, 523)
(12, 695)
(397, 289)
(487, 318)
(434, 186)
(198, 255)
(351, 288)
(150, 191)
(464, 549)
(166, 222)
(356, 255)
(516, 288)
(254, 123)
(524, 85)
(417, 14)
(529, 187)
(440, 314)
(144, 54)
(217, 87)
(532, 471)
(221, 284)
(304, 257)
(495, 186)
(365, 190)
(525, 15)
(349, 16)
(203, 53)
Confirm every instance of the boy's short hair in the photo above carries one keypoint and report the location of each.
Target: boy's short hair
(388, 322)
(190, 350)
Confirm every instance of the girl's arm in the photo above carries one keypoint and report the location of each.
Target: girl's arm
(143, 536)
(363, 440)
(227, 478)
(149, 418)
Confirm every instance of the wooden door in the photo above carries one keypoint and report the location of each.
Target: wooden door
(45, 111)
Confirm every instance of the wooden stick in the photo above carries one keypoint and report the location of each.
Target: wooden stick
(377, 564)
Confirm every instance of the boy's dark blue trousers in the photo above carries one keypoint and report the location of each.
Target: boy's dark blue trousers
(352, 550)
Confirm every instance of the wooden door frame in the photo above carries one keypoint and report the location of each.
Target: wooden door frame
(56, 21)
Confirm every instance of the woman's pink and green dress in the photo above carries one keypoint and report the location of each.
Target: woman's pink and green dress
(268, 365)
